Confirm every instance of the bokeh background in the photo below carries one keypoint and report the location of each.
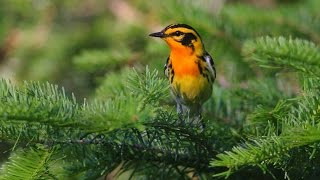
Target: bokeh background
(90, 47)
(80, 44)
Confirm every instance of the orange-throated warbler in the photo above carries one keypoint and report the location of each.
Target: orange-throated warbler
(189, 68)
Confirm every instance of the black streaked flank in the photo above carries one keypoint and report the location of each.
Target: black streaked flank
(165, 70)
(209, 78)
(200, 68)
(205, 75)
(172, 75)
(215, 73)
(202, 58)
(168, 67)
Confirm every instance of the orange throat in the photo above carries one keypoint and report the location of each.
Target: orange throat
(184, 62)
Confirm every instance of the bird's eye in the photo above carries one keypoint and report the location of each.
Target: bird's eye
(178, 33)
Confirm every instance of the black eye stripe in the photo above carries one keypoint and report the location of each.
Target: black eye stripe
(177, 33)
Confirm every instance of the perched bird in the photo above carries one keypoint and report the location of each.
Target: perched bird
(189, 68)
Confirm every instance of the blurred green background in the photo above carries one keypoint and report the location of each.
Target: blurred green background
(82, 44)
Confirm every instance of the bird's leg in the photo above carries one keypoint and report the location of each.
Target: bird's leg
(196, 117)
(183, 113)
(180, 111)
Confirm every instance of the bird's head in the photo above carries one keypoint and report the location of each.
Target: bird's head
(181, 37)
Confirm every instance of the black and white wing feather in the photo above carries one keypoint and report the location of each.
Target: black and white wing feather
(210, 64)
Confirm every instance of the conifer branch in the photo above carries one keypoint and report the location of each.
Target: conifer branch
(297, 54)
(113, 84)
(265, 152)
(43, 113)
(37, 102)
(148, 86)
(297, 125)
(32, 163)
(164, 143)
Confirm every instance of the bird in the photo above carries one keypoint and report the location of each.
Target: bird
(189, 68)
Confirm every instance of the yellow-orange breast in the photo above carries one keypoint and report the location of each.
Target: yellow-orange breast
(188, 83)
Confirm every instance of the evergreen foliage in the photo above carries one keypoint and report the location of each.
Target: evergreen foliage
(262, 121)
(299, 55)
(32, 163)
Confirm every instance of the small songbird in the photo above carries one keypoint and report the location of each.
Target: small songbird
(189, 68)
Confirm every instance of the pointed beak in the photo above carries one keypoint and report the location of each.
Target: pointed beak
(157, 34)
